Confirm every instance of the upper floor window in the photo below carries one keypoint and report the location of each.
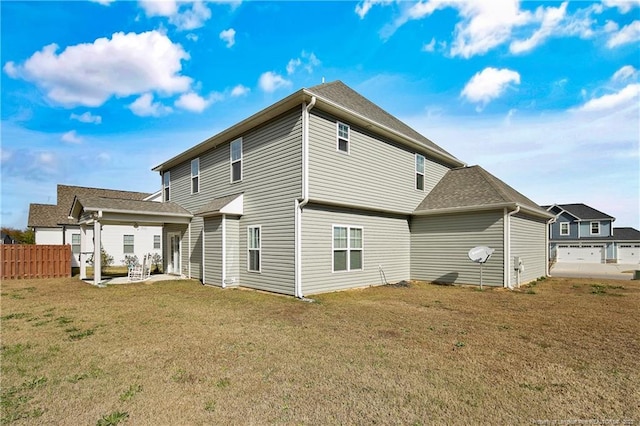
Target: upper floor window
(236, 160)
(347, 248)
(343, 137)
(75, 243)
(595, 228)
(195, 176)
(564, 228)
(166, 183)
(156, 242)
(127, 244)
(420, 172)
(254, 246)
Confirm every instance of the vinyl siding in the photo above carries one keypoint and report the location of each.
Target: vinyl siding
(271, 181)
(528, 243)
(375, 174)
(440, 247)
(194, 255)
(112, 239)
(385, 242)
(213, 251)
(233, 251)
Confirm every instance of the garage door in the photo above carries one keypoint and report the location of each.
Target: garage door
(629, 253)
(577, 254)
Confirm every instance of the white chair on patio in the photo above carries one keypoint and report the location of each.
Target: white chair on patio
(141, 272)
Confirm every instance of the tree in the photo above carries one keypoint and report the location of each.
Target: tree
(21, 237)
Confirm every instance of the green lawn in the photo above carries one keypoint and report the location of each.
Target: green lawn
(177, 352)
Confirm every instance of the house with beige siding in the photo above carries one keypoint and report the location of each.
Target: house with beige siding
(323, 191)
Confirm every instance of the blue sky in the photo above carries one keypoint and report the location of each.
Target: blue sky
(544, 95)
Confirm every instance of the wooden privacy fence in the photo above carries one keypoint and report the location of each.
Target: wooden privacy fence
(35, 261)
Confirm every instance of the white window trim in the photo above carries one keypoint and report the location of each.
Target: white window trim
(197, 161)
(348, 248)
(259, 249)
(568, 229)
(591, 227)
(348, 139)
(78, 245)
(159, 242)
(240, 160)
(424, 166)
(166, 186)
(133, 244)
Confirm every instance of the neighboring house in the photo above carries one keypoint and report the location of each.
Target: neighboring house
(323, 191)
(585, 235)
(52, 225)
(6, 238)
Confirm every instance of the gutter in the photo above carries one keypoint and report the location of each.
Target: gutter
(299, 205)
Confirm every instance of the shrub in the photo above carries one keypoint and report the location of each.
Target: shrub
(105, 259)
(130, 260)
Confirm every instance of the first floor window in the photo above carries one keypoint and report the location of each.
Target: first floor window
(128, 244)
(156, 241)
(564, 228)
(254, 244)
(75, 243)
(420, 172)
(347, 248)
(595, 228)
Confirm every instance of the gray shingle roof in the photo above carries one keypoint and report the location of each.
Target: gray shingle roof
(215, 205)
(137, 206)
(472, 187)
(583, 212)
(626, 234)
(343, 95)
(49, 215)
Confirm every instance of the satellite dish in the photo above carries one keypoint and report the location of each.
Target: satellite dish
(480, 254)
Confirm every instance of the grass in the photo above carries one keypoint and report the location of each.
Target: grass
(177, 352)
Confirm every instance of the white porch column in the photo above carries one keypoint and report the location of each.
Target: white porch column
(97, 258)
(83, 250)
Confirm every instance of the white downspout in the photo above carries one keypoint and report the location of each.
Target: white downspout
(299, 205)
(507, 246)
(97, 253)
(224, 250)
(546, 246)
(188, 252)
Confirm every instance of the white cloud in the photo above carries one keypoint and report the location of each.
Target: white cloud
(623, 6)
(71, 137)
(90, 73)
(550, 18)
(103, 2)
(192, 37)
(11, 69)
(628, 34)
(5, 155)
(239, 90)
(625, 73)
(145, 107)
(610, 26)
(185, 15)
(306, 60)
(626, 96)
(228, 36)
(429, 47)
(104, 157)
(46, 159)
(270, 82)
(192, 102)
(489, 84)
(87, 117)
(364, 7)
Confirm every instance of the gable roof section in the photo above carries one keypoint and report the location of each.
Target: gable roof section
(121, 206)
(50, 215)
(231, 204)
(471, 189)
(337, 99)
(343, 95)
(583, 212)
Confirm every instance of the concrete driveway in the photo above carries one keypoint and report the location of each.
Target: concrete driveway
(611, 271)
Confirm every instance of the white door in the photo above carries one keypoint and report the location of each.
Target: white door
(577, 254)
(173, 263)
(629, 253)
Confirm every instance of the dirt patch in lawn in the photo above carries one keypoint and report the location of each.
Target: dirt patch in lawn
(177, 352)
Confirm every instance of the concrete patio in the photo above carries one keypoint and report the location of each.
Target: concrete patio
(106, 280)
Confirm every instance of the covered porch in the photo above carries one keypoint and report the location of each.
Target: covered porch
(93, 213)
